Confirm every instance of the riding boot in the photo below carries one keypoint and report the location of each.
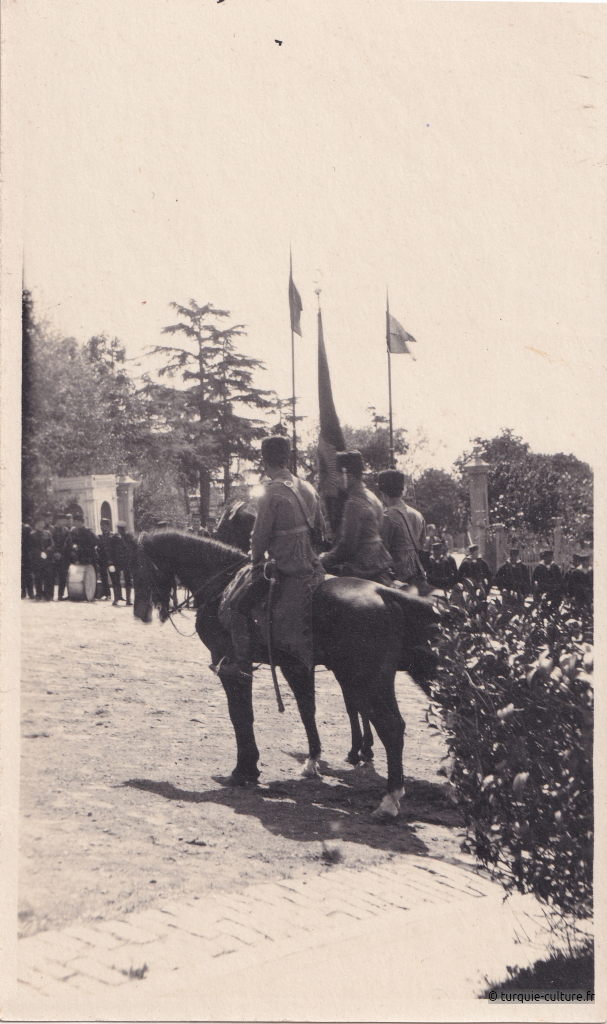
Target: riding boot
(240, 667)
(128, 597)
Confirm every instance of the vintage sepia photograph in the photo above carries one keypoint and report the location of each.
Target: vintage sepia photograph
(303, 346)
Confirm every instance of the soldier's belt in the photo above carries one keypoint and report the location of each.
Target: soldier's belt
(293, 530)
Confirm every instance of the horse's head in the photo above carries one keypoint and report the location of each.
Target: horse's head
(153, 583)
(236, 525)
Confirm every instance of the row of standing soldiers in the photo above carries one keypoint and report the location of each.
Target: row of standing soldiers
(47, 551)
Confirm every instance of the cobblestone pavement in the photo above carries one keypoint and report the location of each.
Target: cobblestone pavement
(442, 927)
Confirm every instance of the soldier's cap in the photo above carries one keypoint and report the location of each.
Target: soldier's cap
(162, 522)
(104, 520)
(352, 462)
(437, 546)
(68, 515)
(581, 557)
(276, 450)
(547, 553)
(473, 547)
(120, 523)
(391, 482)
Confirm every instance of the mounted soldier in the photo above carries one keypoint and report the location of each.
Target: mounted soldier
(288, 520)
(403, 528)
(359, 549)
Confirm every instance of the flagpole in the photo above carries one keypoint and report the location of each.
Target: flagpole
(293, 427)
(390, 426)
(294, 452)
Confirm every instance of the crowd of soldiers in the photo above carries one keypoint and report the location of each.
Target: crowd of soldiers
(52, 545)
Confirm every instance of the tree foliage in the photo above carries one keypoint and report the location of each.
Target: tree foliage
(530, 490)
(204, 410)
(441, 499)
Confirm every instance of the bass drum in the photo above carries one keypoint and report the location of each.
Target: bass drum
(81, 583)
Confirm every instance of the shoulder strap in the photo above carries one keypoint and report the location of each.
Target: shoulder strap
(308, 514)
(415, 547)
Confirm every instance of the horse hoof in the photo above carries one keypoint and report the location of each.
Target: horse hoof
(240, 778)
(352, 758)
(310, 769)
(390, 806)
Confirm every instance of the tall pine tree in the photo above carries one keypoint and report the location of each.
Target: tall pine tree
(205, 412)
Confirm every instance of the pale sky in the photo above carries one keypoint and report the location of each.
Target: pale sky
(454, 153)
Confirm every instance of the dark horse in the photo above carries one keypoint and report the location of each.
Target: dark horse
(363, 632)
(235, 526)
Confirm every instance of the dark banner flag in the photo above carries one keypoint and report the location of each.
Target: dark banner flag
(331, 439)
(295, 305)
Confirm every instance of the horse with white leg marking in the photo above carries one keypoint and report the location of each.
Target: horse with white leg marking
(363, 632)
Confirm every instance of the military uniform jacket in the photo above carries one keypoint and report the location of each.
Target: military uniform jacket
(120, 548)
(84, 545)
(513, 576)
(403, 532)
(41, 550)
(475, 569)
(104, 542)
(288, 513)
(359, 543)
(547, 579)
(62, 543)
(442, 572)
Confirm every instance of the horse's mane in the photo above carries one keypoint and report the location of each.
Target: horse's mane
(188, 549)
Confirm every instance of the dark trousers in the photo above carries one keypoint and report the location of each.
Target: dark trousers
(27, 582)
(116, 584)
(61, 570)
(104, 579)
(44, 582)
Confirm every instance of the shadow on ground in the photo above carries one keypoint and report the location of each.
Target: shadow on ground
(301, 810)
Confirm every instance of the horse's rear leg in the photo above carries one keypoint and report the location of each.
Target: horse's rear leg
(385, 715)
(362, 740)
(240, 707)
(301, 682)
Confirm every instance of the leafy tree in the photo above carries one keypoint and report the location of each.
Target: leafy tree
(202, 411)
(532, 490)
(440, 498)
(373, 443)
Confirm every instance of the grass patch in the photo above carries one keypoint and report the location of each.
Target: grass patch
(561, 971)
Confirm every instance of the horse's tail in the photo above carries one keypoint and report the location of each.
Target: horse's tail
(420, 628)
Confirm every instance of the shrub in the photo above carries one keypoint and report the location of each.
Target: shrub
(514, 687)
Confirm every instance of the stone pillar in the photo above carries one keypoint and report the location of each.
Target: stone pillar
(476, 473)
(125, 487)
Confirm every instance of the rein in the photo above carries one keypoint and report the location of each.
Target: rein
(203, 590)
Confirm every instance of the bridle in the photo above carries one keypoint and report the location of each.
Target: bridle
(204, 591)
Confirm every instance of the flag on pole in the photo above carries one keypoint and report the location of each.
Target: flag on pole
(331, 438)
(398, 338)
(294, 301)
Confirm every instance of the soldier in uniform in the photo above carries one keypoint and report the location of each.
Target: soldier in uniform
(27, 579)
(578, 581)
(122, 545)
(512, 577)
(105, 558)
(403, 528)
(288, 519)
(548, 579)
(43, 571)
(442, 568)
(62, 550)
(359, 549)
(84, 543)
(475, 568)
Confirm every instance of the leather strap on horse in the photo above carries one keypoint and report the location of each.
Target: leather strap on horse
(269, 571)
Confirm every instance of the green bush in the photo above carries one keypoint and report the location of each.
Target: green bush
(514, 687)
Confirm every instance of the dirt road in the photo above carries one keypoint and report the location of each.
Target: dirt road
(126, 750)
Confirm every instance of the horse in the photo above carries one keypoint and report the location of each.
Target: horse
(363, 632)
(235, 526)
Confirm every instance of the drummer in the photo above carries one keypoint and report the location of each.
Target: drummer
(84, 543)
